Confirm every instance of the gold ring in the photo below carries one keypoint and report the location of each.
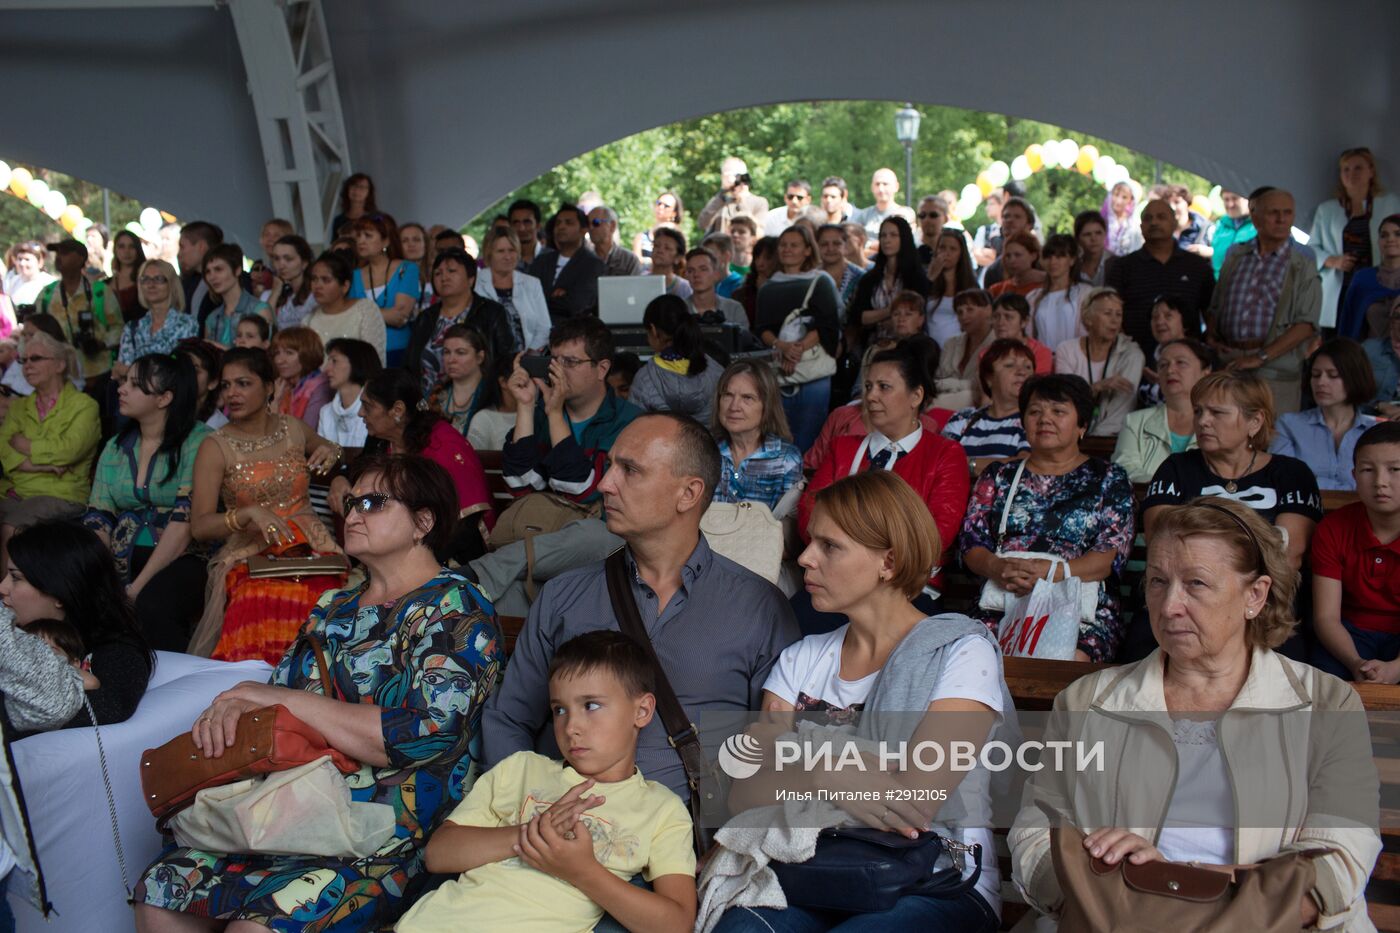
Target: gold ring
(569, 835)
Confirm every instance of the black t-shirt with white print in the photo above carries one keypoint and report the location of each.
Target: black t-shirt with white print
(1283, 485)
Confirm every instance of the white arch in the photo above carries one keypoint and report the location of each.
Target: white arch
(450, 105)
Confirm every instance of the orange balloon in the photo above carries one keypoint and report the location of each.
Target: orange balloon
(67, 222)
(72, 214)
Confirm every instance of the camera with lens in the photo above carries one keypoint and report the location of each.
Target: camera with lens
(86, 337)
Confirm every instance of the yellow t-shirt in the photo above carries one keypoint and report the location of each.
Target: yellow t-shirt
(641, 827)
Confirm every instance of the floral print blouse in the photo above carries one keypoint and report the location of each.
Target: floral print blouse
(1088, 509)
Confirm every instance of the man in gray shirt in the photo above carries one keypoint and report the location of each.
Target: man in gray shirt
(717, 628)
(602, 238)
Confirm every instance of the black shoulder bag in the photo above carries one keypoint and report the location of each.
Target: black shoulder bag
(708, 810)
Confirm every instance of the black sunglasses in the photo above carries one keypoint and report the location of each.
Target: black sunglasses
(368, 503)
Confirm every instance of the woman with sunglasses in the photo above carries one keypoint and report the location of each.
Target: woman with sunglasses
(666, 209)
(260, 465)
(413, 653)
(394, 414)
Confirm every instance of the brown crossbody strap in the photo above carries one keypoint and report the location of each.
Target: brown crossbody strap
(680, 731)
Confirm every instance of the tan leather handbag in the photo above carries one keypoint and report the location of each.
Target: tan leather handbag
(1167, 897)
(539, 513)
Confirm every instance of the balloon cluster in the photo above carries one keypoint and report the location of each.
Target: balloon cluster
(21, 182)
(1053, 153)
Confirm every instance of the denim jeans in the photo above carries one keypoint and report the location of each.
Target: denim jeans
(806, 407)
(966, 914)
(1372, 646)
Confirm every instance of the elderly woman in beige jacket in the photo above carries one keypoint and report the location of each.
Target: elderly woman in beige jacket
(1108, 359)
(1217, 750)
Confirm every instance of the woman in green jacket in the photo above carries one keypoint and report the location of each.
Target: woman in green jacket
(48, 440)
(1150, 435)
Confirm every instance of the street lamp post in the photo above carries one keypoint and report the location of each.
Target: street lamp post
(906, 130)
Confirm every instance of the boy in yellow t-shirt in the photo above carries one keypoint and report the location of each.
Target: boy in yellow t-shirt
(544, 845)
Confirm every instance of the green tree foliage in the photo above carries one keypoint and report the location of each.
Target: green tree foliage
(20, 220)
(813, 140)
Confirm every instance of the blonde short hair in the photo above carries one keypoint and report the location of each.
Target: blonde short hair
(1257, 549)
(879, 510)
(177, 290)
(1247, 391)
(1094, 294)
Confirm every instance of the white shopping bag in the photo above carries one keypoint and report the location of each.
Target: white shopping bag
(305, 810)
(1044, 623)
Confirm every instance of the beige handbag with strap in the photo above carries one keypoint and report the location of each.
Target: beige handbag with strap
(539, 513)
(746, 533)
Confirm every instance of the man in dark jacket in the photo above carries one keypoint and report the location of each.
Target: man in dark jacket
(569, 272)
(454, 281)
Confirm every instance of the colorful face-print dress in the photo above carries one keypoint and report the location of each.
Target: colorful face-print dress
(428, 661)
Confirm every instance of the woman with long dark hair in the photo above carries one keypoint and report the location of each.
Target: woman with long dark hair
(356, 201)
(680, 377)
(260, 464)
(140, 500)
(127, 259)
(61, 570)
(762, 267)
(952, 264)
(290, 296)
(336, 313)
(1055, 305)
(897, 269)
(466, 385)
(206, 358)
(394, 413)
(387, 279)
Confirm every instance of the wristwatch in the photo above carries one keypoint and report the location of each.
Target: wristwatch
(1263, 355)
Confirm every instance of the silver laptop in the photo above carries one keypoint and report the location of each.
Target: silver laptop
(623, 299)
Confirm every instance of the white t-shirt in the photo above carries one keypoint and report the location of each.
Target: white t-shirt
(1057, 317)
(808, 675)
(941, 323)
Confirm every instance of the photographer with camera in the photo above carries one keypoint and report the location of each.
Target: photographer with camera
(734, 198)
(90, 323)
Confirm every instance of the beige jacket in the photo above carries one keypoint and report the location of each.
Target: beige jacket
(1318, 789)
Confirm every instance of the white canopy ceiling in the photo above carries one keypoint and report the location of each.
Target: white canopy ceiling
(450, 105)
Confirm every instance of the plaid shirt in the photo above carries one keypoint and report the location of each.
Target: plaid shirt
(1252, 294)
(763, 476)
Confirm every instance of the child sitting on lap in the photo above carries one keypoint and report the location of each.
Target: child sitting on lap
(1356, 568)
(62, 636)
(550, 845)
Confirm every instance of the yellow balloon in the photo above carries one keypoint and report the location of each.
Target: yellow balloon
(1035, 156)
(71, 215)
(1201, 205)
(984, 184)
(1092, 150)
(1085, 163)
(67, 221)
(19, 181)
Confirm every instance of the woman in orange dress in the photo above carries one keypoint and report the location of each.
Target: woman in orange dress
(260, 464)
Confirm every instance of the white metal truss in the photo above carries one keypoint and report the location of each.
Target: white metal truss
(291, 78)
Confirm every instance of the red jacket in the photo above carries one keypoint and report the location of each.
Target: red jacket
(936, 469)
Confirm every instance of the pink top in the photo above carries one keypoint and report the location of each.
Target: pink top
(451, 451)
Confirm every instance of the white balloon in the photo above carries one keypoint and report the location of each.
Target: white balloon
(38, 190)
(998, 172)
(4, 175)
(1020, 168)
(968, 206)
(151, 220)
(1102, 166)
(54, 204)
(1116, 174)
(80, 228)
(972, 193)
(1069, 153)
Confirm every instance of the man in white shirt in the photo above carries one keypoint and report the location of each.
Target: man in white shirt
(884, 185)
(797, 197)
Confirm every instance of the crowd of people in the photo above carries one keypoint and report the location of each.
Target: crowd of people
(252, 456)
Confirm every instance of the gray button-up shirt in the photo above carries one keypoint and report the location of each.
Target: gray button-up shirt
(717, 638)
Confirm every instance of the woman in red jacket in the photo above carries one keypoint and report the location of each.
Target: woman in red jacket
(898, 387)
